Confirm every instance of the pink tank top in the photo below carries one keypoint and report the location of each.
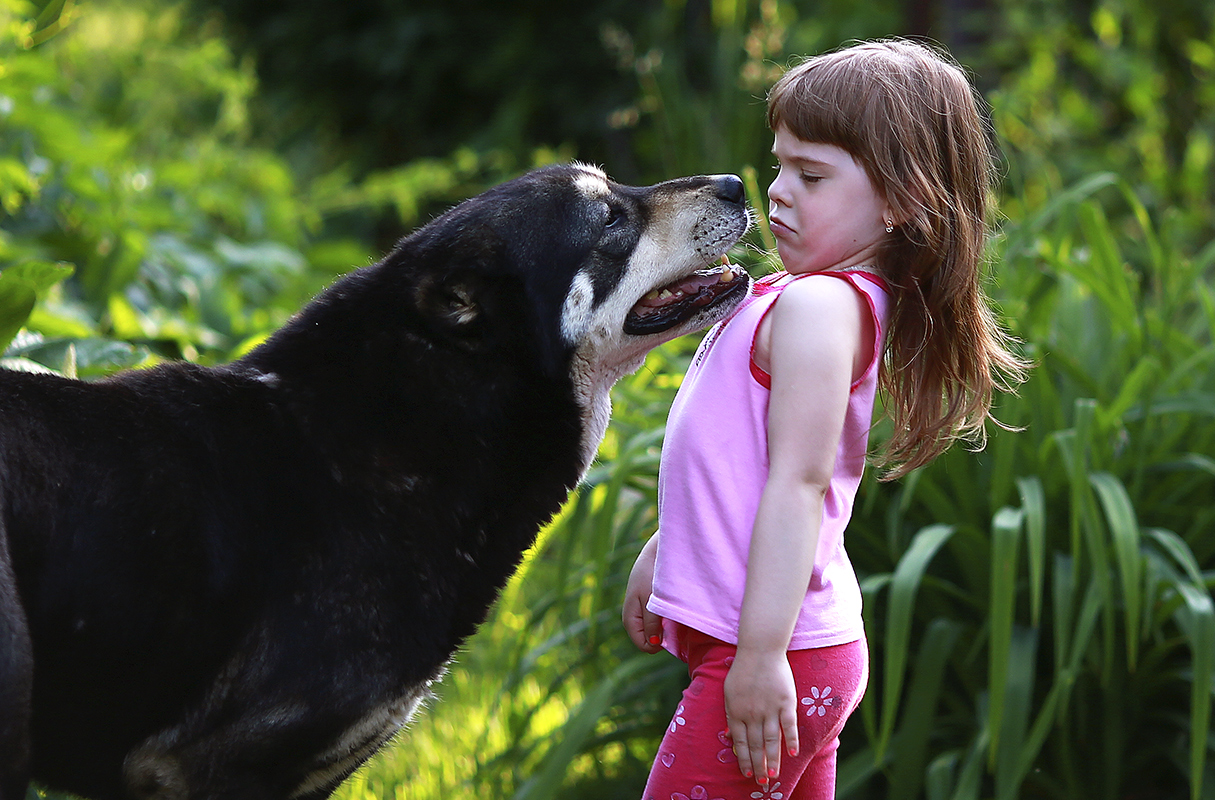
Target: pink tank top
(713, 469)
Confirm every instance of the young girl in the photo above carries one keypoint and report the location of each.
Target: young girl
(879, 211)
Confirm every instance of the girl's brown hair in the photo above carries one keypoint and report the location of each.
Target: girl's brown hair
(910, 116)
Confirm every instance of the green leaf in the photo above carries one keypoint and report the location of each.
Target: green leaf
(1124, 530)
(1033, 503)
(1018, 692)
(1198, 618)
(1005, 537)
(20, 286)
(908, 575)
(570, 738)
(1179, 551)
(939, 778)
(16, 302)
(910, 745)
(970, 778)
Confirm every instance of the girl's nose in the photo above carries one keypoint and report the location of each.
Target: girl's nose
(776, 190)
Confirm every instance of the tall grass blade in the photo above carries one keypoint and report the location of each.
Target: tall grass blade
(1026, 235)
(547, 780)
(1005, 536)
(1196, 618)
(1018, 694)
(1157, 261)
(855, 771)
(908, 575)
(1106, 275)
(970, 778)
(1124, 530)
(1063, 602)
(939, 778)
(1179, 551)
(1199, 613)
(919, 715)
(1033, 503)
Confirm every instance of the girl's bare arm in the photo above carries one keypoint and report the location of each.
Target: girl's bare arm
(812, 345)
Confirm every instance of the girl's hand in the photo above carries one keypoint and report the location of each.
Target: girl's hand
(643, 626)
(761, 705)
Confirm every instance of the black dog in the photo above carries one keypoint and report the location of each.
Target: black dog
(238, 582)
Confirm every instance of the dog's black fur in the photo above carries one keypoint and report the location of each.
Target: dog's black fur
(237, 582)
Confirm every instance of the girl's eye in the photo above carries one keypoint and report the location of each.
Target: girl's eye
(811, 178)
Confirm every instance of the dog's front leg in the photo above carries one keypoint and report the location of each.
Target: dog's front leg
(245, 758)
(275, 725)
(16, 680)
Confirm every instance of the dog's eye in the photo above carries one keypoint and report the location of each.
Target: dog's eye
(615, 215)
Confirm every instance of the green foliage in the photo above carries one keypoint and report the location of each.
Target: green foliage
(1106, 623)
(1040, 614)
(384, 83)
(126, 154)
(1111, 86)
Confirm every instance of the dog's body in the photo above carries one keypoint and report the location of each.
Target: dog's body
(238, 582)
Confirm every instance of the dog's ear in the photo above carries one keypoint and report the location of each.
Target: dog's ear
(452, 305)
(455, 306)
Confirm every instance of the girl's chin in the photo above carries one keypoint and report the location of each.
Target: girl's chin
(788, 254)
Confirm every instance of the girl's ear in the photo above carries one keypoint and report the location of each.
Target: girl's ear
(890, 220)
(893, 217)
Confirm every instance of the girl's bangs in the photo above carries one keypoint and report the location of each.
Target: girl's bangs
(820, 104)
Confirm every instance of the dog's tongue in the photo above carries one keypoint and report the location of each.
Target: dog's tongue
(685, 288)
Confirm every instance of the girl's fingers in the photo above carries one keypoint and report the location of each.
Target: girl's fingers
(652, 625)
(738, 736)
(772, 747)
(756, 748)
(643, 627)
(788, 724)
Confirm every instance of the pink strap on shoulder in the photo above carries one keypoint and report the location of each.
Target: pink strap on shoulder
(765, 380)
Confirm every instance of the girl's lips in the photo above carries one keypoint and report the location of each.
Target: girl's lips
(779, 228)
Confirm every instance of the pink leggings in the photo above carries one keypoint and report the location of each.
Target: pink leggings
(696, 760)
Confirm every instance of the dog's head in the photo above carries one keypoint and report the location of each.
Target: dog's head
(608, 271)
(598, 272)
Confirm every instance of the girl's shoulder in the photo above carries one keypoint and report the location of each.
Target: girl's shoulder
(817, 295)
(818, 311)
(857, 276)
(834, 283)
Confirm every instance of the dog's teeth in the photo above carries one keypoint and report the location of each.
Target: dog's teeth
(665, 294)
(726, 276)
(653, 295)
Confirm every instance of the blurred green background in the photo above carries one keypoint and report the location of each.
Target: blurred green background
(178, 177)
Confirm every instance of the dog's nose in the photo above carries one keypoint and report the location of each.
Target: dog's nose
(729, 188)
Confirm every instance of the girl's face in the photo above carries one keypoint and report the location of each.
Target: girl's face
(825, 212)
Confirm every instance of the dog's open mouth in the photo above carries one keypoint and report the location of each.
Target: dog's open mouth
(667, 306)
